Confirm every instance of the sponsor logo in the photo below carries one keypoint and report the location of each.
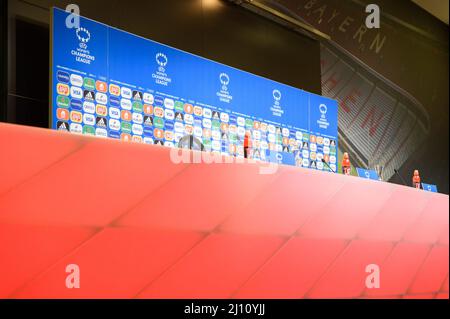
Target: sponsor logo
(114, 124)
(76, 105)
(76, 128)
(62, 114)
(62, 101)
(101, 98)
(188, 108)
(137, 106)
(114, 113)
(101, 132)
(158, 111)
(114, 134)
(125, 137)
(137, 96)
(126, 127)
(62, 89)
(62, 126)
(137, 129)
(126, 93)
(88, 95)
(158, 122)
(89, 107)
(148, 109)
(101, 110)
(114, 101)
(76, 116)
(76, 80)
(114, 89)
(159, 101)
(137, 118)
(88, 119)
(62, 76)
(125, 115)
(169, 103)
(101, 86)
(179, 106)
(101, 122)
(125, 104)
(148, 120)
(148, 98)
(89, 84)
(169, 114)
(76, 92)
(198, 111)
(88, 130)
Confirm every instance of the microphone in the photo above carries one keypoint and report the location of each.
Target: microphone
(325, 162)
(401, 177)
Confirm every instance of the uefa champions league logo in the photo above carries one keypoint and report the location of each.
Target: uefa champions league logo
(277, 96)
(224, 95)
(224, 79)
(276, 107)
(323, 111)
(162, 60)
(83, 36)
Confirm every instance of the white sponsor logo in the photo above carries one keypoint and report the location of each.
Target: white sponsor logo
(148, 98)
(88, 119)
(125, 104)
(114, 124)
(76, 92)
(76, 80)
(126, 93)
(114, 113)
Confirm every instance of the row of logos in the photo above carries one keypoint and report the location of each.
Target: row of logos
(142, 117)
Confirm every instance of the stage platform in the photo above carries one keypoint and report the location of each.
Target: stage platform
(139, 225)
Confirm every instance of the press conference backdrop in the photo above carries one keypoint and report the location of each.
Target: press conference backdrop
(110, 83)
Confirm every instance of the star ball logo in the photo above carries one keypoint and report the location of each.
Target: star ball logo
(323, 122)
(83, 36)
(224, 95)
(224, 79)
(162, 60)
(160, 75)
(276, 107)
(277, 96)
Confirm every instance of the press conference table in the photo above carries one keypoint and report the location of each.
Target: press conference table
(139, 225)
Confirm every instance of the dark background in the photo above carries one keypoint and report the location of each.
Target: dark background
(217, 30)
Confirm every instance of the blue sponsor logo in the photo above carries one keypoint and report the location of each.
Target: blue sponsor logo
(148, 131)
(159, 100)
(114, 134)
(198, 122)
(76, 105)
(114, 101)
(169, 125)
(63, 76)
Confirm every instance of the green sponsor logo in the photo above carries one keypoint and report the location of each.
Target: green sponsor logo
(248, 123)
(137, 106)
(88, 130)
(62, 101)
(179, 106)
(89, 83)
(215, 124)
(126, 127)
(206, 142)
(158, 122)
